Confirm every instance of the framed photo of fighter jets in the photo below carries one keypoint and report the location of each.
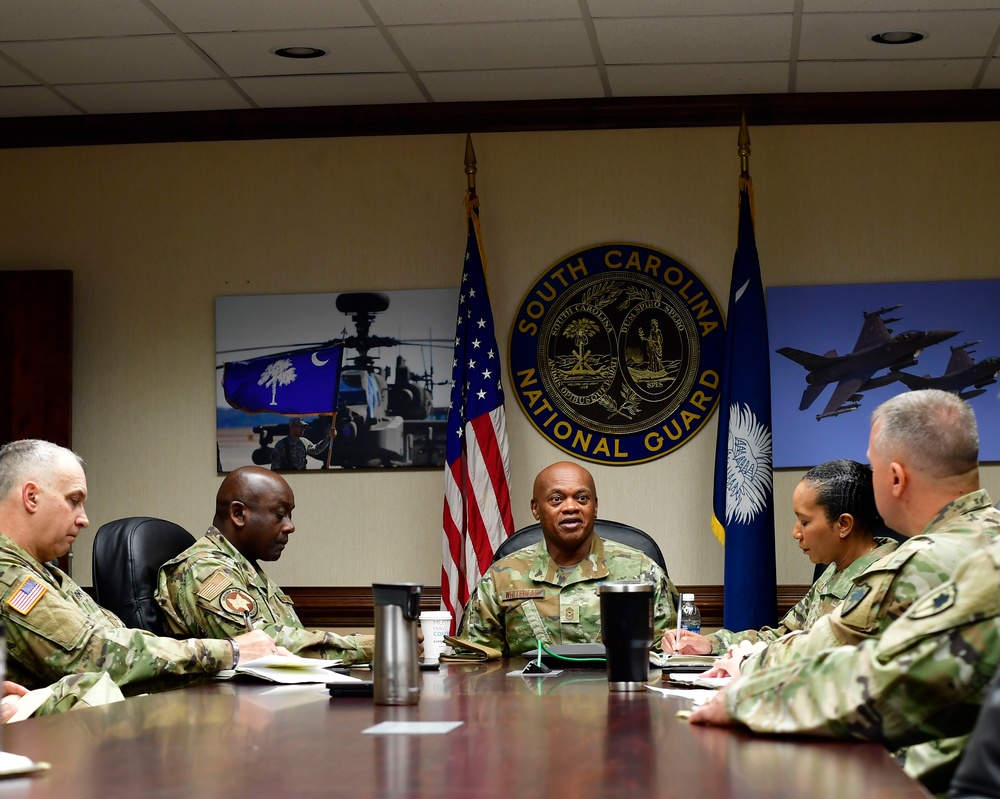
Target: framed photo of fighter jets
(837, 352)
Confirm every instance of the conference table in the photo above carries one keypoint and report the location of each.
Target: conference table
(561, 735)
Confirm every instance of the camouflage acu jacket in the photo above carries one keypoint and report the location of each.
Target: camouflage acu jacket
(527, 597)
(922, 680)
(827, 593)
(54, 629)
(884, 590)
(207, 589)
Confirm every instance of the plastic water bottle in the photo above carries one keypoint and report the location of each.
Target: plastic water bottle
(690, 615)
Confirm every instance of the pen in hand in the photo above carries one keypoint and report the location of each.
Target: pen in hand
(247, 621)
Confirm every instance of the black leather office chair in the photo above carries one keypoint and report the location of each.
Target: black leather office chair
(128, 554)
(615, 531)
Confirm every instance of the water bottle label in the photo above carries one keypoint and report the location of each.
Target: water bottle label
(692, 627)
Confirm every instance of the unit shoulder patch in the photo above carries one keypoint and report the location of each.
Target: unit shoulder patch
(936, 602)
(855, 598)
(238, 602)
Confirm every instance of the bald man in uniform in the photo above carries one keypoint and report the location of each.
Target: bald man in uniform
(216, 587)
(548, 591)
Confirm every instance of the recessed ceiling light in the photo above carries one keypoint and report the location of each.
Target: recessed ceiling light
(299, 52)
(897, 37)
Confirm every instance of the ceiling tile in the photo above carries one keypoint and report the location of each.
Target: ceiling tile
(12, 76)
(32, 101)
(831, 37)
(685, 8)
(198, 16)
(430, 12)
(688, 40)
(896, 5)
(58, 19)
(514, 84)
(134, 58)
(991, 80)
(689, 79)
(143, 98)
(252, 53)
(498, 45)
(885, 76)
(316, 90)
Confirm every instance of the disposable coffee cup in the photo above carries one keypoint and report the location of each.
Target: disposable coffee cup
(434, 624)
(627, 632)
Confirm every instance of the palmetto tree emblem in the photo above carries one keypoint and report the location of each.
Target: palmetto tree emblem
(581, 330)
(279, 373)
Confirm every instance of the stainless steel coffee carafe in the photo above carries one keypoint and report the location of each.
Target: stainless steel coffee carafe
(396, 664)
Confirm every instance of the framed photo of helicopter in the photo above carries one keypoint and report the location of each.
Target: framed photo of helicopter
(837, 352)
(386, 359)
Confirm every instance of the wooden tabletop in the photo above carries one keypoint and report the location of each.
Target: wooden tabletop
(560, 736)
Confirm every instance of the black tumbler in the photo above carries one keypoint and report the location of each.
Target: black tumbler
(627, 632)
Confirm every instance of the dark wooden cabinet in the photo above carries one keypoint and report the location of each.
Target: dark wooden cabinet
(36, 356)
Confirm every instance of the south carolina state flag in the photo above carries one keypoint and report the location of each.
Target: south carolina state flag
(743, 501)
(292, 383)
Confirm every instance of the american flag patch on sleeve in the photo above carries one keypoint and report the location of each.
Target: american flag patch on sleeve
(212, 587)
(27, 595)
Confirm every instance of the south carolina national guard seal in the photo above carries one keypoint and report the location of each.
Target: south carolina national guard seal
(616, 353)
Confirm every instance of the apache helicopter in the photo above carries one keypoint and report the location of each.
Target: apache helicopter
(378, 423)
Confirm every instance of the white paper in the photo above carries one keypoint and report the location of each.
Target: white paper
(292, 670)
(294, 676)
(289, 662)
(19, 764)
(700, 682)
(698, 696)
(413, 727)
(27, 704)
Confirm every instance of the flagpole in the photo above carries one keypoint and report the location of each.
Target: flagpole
(470, 165)
(743, 147)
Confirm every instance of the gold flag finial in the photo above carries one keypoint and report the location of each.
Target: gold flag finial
(744, 147)
(470, 164)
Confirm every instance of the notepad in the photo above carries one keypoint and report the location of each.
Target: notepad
(290, 670)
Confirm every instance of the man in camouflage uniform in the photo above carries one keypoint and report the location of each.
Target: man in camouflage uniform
(548, 592)
(216, 586)
(924, 450)
(914, 665)
(53, 628)
(290, 453)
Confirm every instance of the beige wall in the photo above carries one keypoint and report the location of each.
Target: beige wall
(154, 233)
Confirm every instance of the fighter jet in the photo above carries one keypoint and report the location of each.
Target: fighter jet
(961, 373)
(854, 373)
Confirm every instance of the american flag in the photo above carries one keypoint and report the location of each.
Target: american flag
(27, 595)
(477, 514)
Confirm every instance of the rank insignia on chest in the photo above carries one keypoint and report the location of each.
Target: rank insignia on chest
(937, 602)
(569, 614)
(214, 585)
(521, 593)
(238, 602)
(27, 595)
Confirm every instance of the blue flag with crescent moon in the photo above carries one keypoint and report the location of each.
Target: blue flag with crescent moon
(293, 383)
